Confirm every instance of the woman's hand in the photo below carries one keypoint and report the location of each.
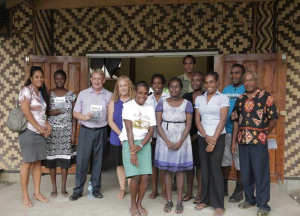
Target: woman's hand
(73, 139)
(211, 140)
(178, 145)
(135, 148)
(170, 145)
(88, 116)
(233, 148)
(134, 159)
(48, 131)
(54, 112)
(42, 131)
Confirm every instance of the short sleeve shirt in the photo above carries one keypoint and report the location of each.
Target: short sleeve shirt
(186, 84)
(37, 106)
(211, 112)
(142, 117)
(233, 93)
(88, 98)
(253, 115)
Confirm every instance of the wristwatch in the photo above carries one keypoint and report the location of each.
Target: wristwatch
(140, 145)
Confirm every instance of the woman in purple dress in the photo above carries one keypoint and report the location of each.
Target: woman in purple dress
(124, 91)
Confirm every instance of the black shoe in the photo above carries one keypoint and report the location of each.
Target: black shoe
(97, 194)
(225, 187)
(74, 196)
(238, 194)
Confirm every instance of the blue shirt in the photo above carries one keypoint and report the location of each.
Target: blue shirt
(233, 93)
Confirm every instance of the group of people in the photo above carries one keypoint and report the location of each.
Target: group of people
(193, 128)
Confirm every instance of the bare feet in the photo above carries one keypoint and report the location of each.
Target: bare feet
(153, 195)
(121, 194)
(40, 197)
(200, 206)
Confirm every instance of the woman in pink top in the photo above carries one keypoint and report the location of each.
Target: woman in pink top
(34, 101)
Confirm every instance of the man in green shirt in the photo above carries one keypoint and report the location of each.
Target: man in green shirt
(189, 63)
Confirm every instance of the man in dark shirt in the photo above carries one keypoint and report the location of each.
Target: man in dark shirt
(254, 117)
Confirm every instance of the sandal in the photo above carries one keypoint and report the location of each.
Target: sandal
(40, 197)
(26, 202)
(219, 212)
(121, 194)
(65, 193)
(53, 194)
(187, 198)
(168, 207)
(200, 207)
(179, 208)
(165, 196)
(197, 201)
(153, 195)
(134, 212)
(143, 212)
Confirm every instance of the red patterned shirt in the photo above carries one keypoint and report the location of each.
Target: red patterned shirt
(253, 115)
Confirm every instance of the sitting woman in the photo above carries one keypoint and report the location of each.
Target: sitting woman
(173, 146)
(138, 127)
(124, 91)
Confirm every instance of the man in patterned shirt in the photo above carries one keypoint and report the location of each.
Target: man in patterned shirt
(254, 117)
(189, 63)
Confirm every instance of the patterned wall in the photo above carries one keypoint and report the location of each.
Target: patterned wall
(12, 55)
(289, 42)
(264, 34)
(43, 32)
(226, 27)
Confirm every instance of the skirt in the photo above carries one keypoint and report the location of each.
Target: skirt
(115, 155)
(144, 158)
(196, 156)
(33, 146)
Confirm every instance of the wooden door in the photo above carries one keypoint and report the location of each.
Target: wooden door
(77, 72)
(271, 72)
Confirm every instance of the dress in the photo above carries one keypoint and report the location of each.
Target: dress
(115, 151)
(32, 143)
(166, 159)
(59, 151)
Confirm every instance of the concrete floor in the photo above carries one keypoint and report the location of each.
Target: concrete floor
(10, 201)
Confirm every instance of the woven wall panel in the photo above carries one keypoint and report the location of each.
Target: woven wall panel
(12, 56)
(43, 32)
(289, 42)
(264, 35)
(224, 27)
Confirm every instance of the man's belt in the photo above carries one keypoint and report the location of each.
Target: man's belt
(93, 129)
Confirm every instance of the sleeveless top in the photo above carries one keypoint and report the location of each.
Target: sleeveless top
(117, 118)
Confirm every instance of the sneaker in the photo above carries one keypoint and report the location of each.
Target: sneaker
(262, 212)
(238, 194)
(245, 205)
(225, 187)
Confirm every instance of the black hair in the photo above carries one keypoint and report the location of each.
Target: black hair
(163, 80)
(61, 72)
(214, 74)
(189, 56)
(141, 83)
(199, 73)
(175, 79)
(240, 66)
(42, 89)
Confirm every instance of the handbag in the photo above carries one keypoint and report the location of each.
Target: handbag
(16, 120)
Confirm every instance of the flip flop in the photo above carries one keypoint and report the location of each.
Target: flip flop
(200, 207)
(219, 212)
(153, 195)
(197, 201)
(53, 194)
(65, 193)
(187, 198)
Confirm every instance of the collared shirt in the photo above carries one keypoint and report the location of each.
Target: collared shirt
(186, 84)
(86, 99)
(233, 93)
(211, 112)
(151, 100)
(37, 106)
(253, 115)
